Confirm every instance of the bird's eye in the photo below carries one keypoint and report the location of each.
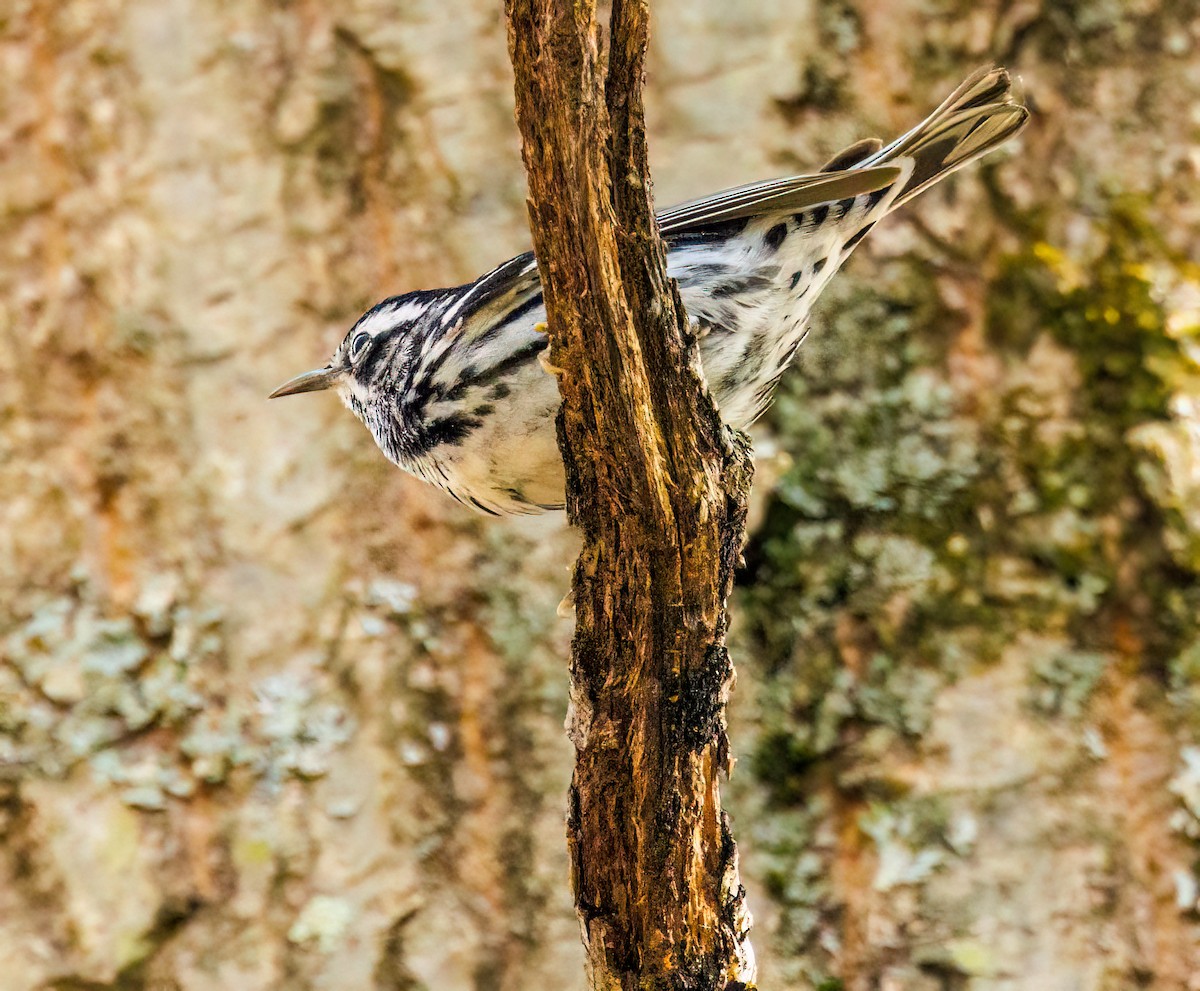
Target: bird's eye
(358, 344)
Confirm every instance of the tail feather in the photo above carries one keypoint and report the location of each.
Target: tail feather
(977, 117)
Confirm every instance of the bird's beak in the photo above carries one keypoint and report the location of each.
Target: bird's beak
(314, 381)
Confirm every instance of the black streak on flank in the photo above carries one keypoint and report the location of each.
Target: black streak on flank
(796, 277)
(818, 214)
(756, 350)
(520, 357)
(776, 236)
(452, 430)
(853, 242)
(481, 507)
(694, 274)
(818, 265)
(736, 287)
(721, 230)
(464, 379)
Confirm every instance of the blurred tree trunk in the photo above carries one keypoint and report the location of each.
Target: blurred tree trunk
(275, 716)
(659, 492)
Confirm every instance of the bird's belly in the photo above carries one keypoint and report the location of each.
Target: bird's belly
(510, 463)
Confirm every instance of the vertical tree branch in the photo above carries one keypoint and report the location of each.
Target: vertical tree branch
(658, 487)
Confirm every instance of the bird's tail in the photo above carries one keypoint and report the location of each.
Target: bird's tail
(977, 117)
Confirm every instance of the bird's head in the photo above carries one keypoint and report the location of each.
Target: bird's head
(373, 354)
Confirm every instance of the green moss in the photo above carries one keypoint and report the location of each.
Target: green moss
(923, 539)
(782, 846)
(870, 528)
(1088, 481)
(1185, 677)
(924, 526)
(1109, 315)
(1063, 680)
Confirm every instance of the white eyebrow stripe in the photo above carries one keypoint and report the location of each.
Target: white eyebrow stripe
(385, 319)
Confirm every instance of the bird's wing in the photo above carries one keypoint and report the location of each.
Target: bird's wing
(516, 282)
(789, 195)
(494, 297)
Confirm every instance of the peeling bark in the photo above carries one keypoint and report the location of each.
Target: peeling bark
(658, 489)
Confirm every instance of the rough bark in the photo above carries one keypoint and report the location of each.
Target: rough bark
(658, 488)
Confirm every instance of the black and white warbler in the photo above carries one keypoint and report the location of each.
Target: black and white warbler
(450, 383)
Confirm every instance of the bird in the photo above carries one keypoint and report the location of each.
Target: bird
(451, 382)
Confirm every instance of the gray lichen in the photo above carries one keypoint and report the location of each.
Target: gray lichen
(79, 687)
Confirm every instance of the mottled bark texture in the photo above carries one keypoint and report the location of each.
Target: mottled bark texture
(275, 717)
(658, 488)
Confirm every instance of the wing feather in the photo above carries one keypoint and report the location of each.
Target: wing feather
(789, 195)
(501, 290)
